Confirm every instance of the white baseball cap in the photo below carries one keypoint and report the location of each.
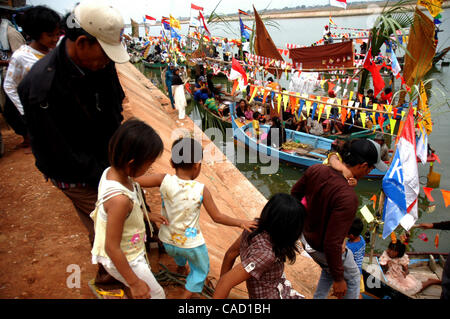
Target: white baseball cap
(105, 23)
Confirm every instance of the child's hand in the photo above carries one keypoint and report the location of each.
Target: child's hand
(158, 218)
(140, 290)
(249, 225)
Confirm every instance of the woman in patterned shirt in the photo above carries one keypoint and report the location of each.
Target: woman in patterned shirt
(264, 251)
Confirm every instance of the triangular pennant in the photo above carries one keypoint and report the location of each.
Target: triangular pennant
(427, 191)
(279, 97)
(235, 86)
(446, 195)
(392, 124)
(265, 94)
(363, 118)
(374, 199)
(285, 100)
(343, 115)
(314, 110)
(381, 122)
(308, 108)
(302, 102)
(321, 107)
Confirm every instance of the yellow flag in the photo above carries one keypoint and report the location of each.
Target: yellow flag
(308, 107)
(174, 23)
(434, 6)
(253, 94)
(363, 118)
(279, 102)
(321, 106)
(392, 123)
(424, 109)
(351, 95)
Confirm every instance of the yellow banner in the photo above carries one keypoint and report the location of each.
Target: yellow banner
(434, 6)
(174, 23)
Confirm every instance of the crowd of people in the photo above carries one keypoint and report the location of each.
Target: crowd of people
(68, 100)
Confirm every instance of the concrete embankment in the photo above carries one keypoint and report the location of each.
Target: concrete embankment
(232, 192)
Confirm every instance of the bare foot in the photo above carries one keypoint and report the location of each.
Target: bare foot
(183, 270)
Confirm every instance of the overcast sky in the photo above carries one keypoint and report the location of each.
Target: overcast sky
(136, 9)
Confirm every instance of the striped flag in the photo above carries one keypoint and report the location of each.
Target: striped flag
(339, 3)
(243, 12)
(151, 19)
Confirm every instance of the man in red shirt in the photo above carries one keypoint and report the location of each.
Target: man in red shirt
(331, 208)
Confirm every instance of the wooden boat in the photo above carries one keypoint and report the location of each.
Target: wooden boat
(315, 148)
(421, 265)
(154, 65)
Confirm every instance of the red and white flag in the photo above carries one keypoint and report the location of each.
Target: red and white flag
(194, 7)
(203, 22)
(237, 71)
(339, 3)
(150, 19)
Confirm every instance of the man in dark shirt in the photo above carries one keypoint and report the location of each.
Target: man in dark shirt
(331, 208)
(72, 100)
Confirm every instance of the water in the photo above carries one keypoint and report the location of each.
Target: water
(306, 31)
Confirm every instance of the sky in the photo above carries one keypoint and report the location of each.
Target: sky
(136, 9)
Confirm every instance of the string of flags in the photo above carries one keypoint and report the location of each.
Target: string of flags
(369, 217)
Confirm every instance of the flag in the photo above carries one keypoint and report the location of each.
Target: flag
(424, 109)
(174, 23)
(401, 182)
(394, 64)
(422, 146)
(378, 82)
(434, 6)
(165, 23)
(134, 29)
(339, 3)
(237, 71)
(193, 6)
(151, 19)
(243, 12)
(331, 21)
(174, 34)
(244, 33)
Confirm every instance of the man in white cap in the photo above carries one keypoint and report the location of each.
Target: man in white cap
(72, 100)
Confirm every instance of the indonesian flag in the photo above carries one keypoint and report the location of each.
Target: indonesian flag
(151, 19)
(237, 71)
(339, 3)
(401, 183)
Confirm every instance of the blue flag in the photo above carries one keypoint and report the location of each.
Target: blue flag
(244, 33)
(174, 34)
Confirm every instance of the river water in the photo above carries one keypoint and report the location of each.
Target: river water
(304, 32)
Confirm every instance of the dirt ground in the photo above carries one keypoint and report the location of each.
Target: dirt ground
(41, 236)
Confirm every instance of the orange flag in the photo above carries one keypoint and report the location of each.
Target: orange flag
(374, 199)
(446, 195)
(427, 191)
(343, 115)
(266, 93)
(235, 85)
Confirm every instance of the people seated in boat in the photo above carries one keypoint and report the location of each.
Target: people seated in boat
(386, 96)
(256, 128)
(201, 90)
(212, 103)
(384, 151)
(241, 107)
(276, 135)
(394, 261)
(248, 113)
(371, 97)
(313, 127)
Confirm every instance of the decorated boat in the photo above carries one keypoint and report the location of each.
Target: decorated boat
(312, 149)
